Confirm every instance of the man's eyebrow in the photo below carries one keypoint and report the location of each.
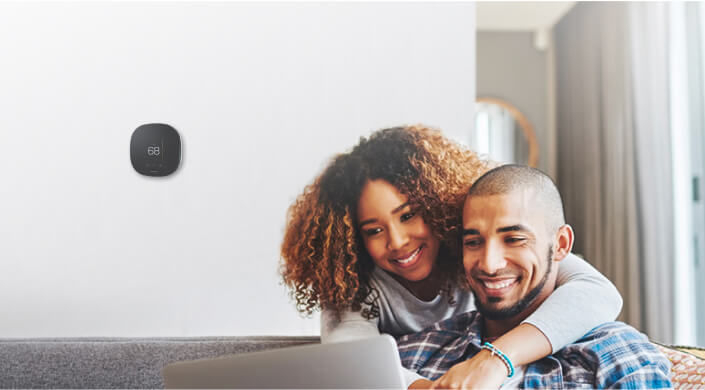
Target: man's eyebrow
(372, 220)
(467, 232)
(513, 228)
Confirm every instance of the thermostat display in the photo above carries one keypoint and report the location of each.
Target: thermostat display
(155, 149)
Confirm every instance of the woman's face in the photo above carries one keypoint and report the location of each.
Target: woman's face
(395, 235)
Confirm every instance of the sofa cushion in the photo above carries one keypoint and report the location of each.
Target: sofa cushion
(125, 363)
(688, 369)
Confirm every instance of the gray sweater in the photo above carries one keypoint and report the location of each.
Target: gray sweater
(566, 315)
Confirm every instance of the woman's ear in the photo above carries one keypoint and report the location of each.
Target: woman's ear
(563, 243)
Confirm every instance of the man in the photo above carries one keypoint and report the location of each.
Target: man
(514, 234)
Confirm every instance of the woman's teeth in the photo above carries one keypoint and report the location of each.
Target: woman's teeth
(498, 285)
(408, 259)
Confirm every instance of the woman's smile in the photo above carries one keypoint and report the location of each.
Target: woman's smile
(410, 260)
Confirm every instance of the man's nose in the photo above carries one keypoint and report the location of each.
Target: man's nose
(492, 258)
(397, 238)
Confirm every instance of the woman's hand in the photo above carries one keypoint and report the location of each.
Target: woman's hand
(482, 371)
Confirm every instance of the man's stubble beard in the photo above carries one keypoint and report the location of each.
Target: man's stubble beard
(522, 304)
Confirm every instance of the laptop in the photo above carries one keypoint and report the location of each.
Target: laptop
(370, 363)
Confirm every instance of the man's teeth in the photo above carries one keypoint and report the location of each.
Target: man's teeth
(498, 285)
(408, 259)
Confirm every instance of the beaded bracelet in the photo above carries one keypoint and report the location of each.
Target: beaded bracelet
(505, 359)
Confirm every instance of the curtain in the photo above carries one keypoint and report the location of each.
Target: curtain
(614, 166)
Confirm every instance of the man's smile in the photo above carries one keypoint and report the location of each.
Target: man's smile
(497, 287)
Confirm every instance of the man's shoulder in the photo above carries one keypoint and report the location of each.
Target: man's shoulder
(610, 337)
(615, 352)
(614, 336)
(612, 329)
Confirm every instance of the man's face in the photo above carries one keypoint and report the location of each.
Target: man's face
(507, 253)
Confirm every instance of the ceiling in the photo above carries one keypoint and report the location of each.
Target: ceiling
(520, 16)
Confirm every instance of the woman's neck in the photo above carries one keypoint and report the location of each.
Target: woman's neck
(426, 289)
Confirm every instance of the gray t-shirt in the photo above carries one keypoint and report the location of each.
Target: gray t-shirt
(401, 312)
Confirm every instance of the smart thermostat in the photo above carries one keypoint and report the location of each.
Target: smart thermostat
(155, 149)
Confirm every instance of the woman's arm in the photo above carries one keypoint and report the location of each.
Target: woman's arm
(582, 300)
(351, 326)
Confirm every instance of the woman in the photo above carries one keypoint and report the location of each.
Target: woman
(374, 242)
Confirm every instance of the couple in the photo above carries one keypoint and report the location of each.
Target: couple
(376, 243)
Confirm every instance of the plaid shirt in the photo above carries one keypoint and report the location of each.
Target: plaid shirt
(613, 355)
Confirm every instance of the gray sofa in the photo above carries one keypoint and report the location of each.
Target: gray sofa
(125, 363)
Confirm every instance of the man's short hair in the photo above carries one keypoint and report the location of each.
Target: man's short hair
(506, 179)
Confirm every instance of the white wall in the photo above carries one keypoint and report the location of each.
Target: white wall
(262, 94)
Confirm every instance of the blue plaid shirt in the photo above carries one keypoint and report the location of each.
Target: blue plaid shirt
(613, 355)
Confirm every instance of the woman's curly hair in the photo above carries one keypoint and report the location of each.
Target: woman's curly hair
(324, 260)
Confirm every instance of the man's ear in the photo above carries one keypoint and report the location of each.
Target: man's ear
(563, 243)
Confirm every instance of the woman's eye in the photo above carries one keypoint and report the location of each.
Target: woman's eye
(372, 232)
(407, 216)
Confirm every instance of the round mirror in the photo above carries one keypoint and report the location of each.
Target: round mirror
(503, 134)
